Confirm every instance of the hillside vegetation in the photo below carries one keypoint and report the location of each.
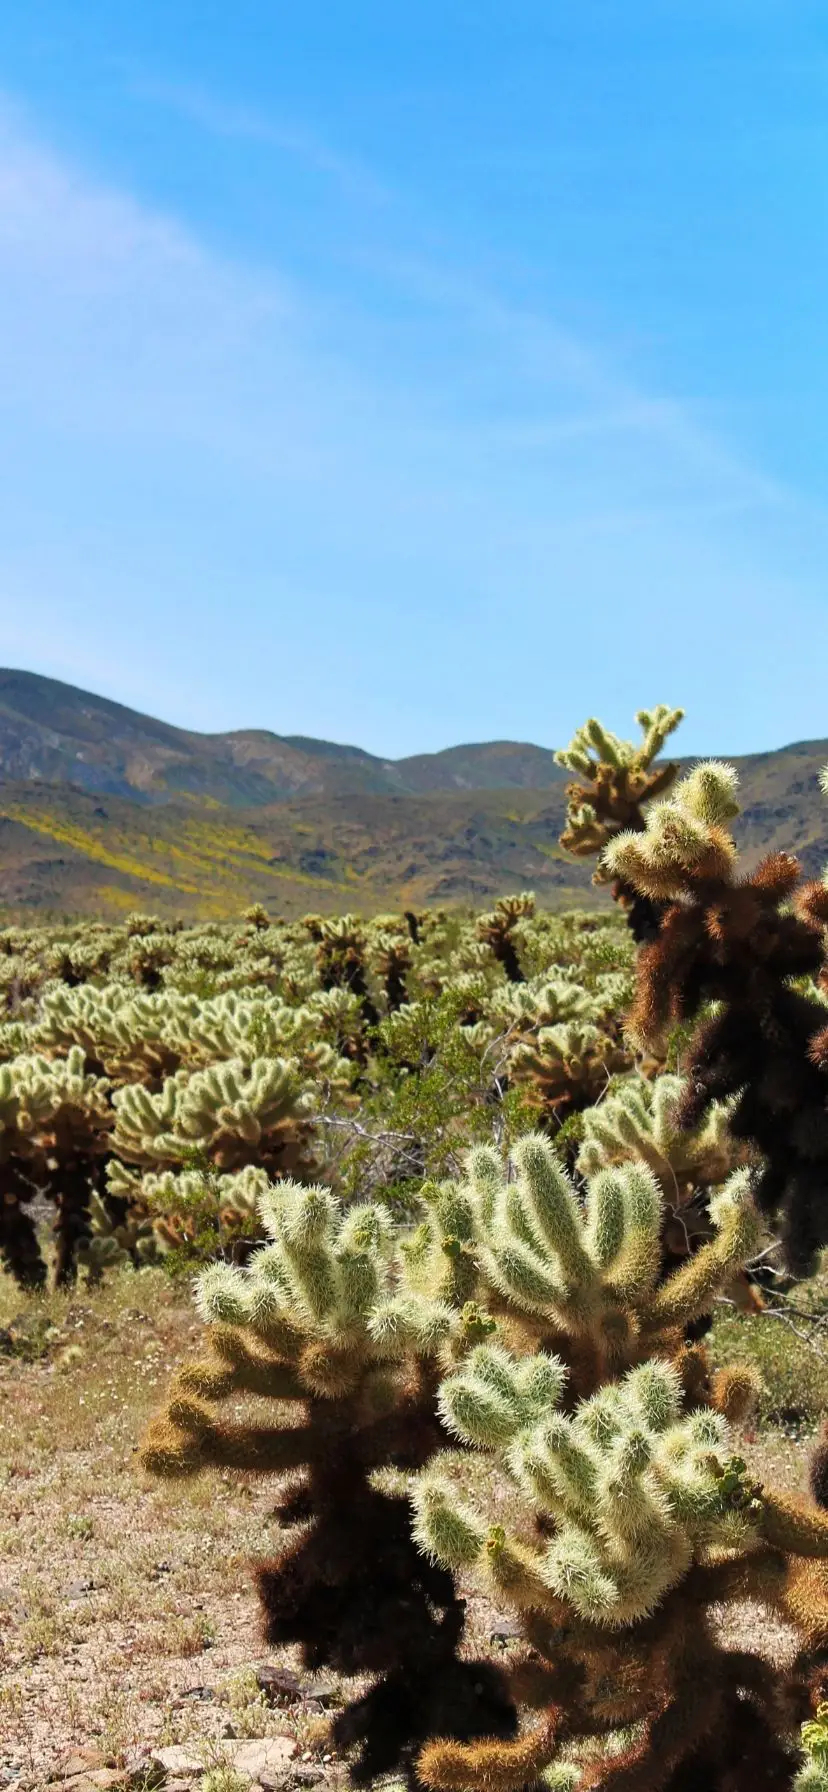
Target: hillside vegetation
(103, 810)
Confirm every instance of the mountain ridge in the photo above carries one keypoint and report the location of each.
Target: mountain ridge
(56, 732)
(103, 809)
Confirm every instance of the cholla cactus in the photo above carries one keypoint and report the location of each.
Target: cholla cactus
(340, 959)
(331, 1021)
(630, 1484)
(618, 778)
(195, 1213)
(393, 961)
(685, 841)
(646, 1522)
(500, 930)
(325, 1318)
(119, 1235)
(257, 1026)
(813, 1774)
(234, 1113)
(543, 1002)
(733, 941)
(592, 1270)
(123, 1034)
(568, 1067)
(55, 1122)
(637, 1121)
(615, 780)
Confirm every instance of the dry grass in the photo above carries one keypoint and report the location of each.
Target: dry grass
(127, 1616)
(119, 1597)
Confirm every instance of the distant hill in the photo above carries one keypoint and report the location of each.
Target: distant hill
(103, 810)
(53, 733)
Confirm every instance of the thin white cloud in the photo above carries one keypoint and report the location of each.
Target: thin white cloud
(520, 383)
(242, 123)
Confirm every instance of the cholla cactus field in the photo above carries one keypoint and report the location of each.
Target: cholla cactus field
(468, 1203)
(352, 1050)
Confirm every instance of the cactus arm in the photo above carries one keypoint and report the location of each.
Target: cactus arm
(491, 1766)
(793, 1524)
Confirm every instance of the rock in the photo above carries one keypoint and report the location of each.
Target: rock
(83, 1760)
(175, 1759)
(272, 1755)
(278, 1683)
(142, 1772)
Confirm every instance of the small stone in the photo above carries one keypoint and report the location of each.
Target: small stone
(268, 1756)
(278, 1683)
(82, 1760)
(142, 1772)
(175, 1759)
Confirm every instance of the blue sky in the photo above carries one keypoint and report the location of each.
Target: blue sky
(411, 375)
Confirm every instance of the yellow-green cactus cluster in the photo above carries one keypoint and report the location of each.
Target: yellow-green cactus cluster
(637, 1120)
(686, 836)
(593, 744)
(45, 1101)
(616, 778)
(635, 1488)
(173, 1210)
(591, 1269)
(236, 1113)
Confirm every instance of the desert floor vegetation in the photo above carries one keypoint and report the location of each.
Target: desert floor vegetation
(129, 1616)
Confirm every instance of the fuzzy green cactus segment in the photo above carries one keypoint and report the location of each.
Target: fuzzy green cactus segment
(813, 1774)
(326, 1275)
(630, 1483)
(501, 931)
(567, 1066)
(586, 1267)
(638, 1120)
(685, 838)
